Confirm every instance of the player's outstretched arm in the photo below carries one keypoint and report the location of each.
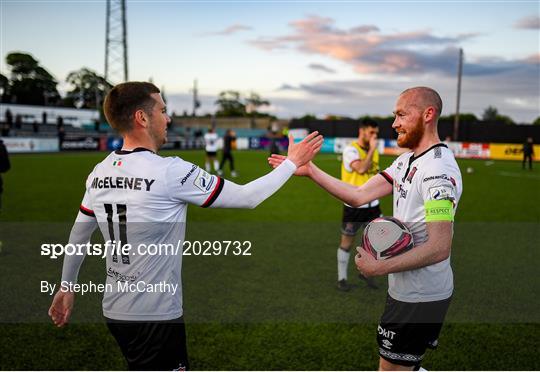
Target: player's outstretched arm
(434, 250)
(252, 194)
(375, 188)
(62, 304)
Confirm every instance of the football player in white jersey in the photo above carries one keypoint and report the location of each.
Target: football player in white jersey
(426, 187)
(138, 197)
(211, 147)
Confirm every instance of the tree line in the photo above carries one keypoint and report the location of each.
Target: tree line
(490, 115)
(31, 84)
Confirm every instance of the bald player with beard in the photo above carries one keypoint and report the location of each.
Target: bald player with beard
(426, 186)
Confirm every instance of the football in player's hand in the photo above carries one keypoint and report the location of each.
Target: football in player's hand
(386, 237)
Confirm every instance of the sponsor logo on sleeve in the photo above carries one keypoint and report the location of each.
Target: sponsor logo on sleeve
(441, 193)
(440, 177)
(204, 181)
(193, 168)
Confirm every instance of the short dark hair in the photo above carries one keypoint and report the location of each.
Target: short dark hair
(368, 122)
(124, 100)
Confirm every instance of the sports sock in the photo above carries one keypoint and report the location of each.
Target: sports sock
(342, 263)
(207, 166)
(216, 165)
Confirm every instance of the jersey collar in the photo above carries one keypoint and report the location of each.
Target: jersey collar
(413, 158)
(137, 149)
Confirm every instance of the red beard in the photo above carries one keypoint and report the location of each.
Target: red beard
(412, 137)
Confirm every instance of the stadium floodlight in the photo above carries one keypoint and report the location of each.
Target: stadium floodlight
(116, 60)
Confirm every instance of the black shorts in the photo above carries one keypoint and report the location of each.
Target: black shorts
(356, 218)
(159, 345)
(211, 153)
(407, 329)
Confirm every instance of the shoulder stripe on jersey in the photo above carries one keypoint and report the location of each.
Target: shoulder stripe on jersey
(387, 177)
(214, 195)
(88, 212)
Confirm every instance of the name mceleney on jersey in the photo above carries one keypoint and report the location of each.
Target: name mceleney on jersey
(127, 183)
(138, 197)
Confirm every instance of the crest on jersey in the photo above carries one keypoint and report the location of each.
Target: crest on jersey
(117, 163)
(411, 174)
(204, 181)
(441, 193)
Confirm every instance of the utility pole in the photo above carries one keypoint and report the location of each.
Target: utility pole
(458, 98)
(116, 58)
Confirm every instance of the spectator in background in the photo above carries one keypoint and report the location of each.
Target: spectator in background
(35, 126)
(9, 119)
(96, 125)
(59, 122)
(199, 141)
(61, 136)
(229, 142)
(44, 117)
(274, 137)
(4, 167)
(5, 129)
(528, 152)
(187, 137)
(18, 121)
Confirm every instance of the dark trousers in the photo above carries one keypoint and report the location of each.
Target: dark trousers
(152, 346)
(529, 157)
(227, 156)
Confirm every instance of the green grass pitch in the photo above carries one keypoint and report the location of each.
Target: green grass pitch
(278, 308)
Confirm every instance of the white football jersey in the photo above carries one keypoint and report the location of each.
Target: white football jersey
(138, 197)
(211, 142)
(432, 175)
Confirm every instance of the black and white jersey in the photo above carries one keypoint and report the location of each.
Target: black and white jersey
(140, 198)
(418, 180)
(211, 142)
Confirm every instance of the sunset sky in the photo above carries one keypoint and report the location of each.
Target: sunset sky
(346, 58)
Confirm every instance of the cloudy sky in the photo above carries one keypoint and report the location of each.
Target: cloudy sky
(345, 58)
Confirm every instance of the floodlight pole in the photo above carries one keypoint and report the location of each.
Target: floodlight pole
(116, 57)
(456, 118)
